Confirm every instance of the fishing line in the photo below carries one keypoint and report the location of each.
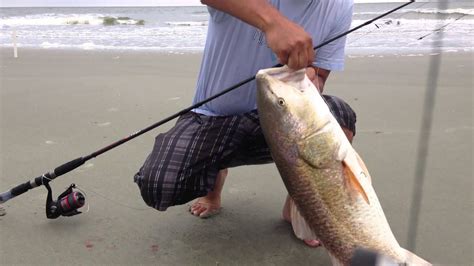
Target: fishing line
(71, 165)
(378, 28)
(424, 137)
(115, 201)
(444, 26)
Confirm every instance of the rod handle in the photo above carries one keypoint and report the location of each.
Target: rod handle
(20, 189)
(69, 166)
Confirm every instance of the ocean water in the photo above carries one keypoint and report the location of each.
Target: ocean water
(412, 30)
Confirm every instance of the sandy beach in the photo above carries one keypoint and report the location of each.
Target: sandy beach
(57, 105)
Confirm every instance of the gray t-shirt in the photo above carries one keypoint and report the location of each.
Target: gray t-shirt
(235, 51)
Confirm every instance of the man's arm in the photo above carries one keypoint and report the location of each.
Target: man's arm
(288, 40)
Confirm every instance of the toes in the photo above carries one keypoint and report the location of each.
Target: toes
(204, 214)
(200, 210)
(197, 209)
(195, 204)
(193, 207)
(203, 209)
(314, 243)
(209, 212)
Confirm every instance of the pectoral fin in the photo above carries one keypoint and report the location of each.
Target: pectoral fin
(318, 150)
(365, 171)
(353, 182)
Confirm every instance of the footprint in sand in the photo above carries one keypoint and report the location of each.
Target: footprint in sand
(85, 167)
(456, 129)
(234, 190)
(102, 124)
(88, 165)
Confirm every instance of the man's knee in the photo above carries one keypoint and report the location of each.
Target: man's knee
(148, 176)
(142, 179)
(344, 114)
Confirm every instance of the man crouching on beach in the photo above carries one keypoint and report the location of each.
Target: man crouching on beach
(191, 160)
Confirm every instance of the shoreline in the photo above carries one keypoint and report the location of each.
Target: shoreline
(446, 50)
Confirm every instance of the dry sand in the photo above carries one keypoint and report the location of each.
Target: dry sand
(58, 105)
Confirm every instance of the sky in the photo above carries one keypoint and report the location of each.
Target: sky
(30, 3)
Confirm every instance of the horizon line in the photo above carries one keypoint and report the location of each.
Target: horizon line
(194, 5)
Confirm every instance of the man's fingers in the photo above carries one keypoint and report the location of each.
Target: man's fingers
(293, 60)
(300, 57)
(304, 58)
(297, 59)
(311, 73)
(311, 55)
(290, 43)
(283, 58)
(309, 52)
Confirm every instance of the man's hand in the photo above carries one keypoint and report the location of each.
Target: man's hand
(289, 41)
(318, 76)
(291, 44)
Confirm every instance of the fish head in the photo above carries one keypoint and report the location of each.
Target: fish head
(289, 103)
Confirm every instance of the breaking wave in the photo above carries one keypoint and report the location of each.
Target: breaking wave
(424, 13)
(57, 20)
(186, 23)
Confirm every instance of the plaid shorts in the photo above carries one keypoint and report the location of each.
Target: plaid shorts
(184, 162)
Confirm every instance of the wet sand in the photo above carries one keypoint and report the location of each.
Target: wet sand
(57, 105)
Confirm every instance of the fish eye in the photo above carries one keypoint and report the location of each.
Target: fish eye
(281, 101)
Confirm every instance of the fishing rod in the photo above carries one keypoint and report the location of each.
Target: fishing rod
(68, 203)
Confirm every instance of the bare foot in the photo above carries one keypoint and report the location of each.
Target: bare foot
(210, 204)
(206, 207)
(286, 213)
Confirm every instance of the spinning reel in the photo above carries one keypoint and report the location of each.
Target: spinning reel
(67, 203)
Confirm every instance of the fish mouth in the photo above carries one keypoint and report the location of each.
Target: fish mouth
(274, 83)
(265, 82)
(284, 75)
